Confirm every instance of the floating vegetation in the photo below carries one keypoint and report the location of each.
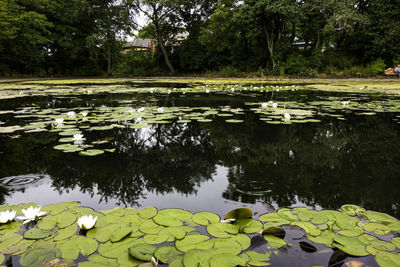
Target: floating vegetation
(67, 232)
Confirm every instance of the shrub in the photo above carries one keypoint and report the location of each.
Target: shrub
(376, 67)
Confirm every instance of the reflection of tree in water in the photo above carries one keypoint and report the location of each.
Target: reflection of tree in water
(327, 164)
(162, 159)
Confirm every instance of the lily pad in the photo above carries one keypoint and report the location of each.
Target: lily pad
(196, 257)
(254, 258)
(223, 230)
(36, 233)
(142, 252)
(275, 242)
(172, 217)
(249, 226)
(226, 260)
(242, 213)
(37, 256)
(166, 254)
(388, 259)
(81, 244)
(377, 228)
(205, 218)
(91, 152)
(193, 242)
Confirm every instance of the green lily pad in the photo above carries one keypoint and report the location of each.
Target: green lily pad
(226, 245)
(254, 258)
(98, 259)
(172, 217)
(243, 240)
(205, 218)
(396, 241)
(223, 230)
(193, 242)
(272, 217)
(142, 252)
(81, 244)
(36, 233)
(249, 226)
(353, 232)
(91, 152)
(377, 228)
(242, 213)
(234, 121)
(275, 231)
(60, 220)
(66, 232)
(374, 216)
(351, 209)
(127, 260)
(226, 260)
(37, 256)
(350, 245)
(159, 238)
(275, 242)
(148, 212)
(308, 227)
(150, 227)
(388, 259)
(196, 257)
(166, 254)
(9, 240)
(115, 250)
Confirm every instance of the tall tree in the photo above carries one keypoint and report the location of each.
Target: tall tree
(161, 14)
(113, 22)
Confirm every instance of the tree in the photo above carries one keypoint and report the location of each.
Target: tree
(161, 14)
(113, 22)
(273, 18)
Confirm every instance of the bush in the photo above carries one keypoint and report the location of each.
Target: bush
(377, 67)
(139, 64)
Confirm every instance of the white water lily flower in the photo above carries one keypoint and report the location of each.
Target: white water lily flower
(160, 109)
(31, 214)
(87, 222)
(78, 137)
(7, 216)
(233, 89)
(141, 109)
(207, 91)
(169, 91)
(287, 116)
(59, 121)
(71, 113)
(345, 103)
(274, 105)
(228, 220)
(84, 113)
(264, 105)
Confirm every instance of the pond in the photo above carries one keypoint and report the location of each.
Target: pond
(201, 148)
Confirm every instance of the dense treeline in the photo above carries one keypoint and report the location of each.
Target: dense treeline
(295, 37)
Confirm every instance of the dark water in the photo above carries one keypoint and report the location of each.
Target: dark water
(213, 166)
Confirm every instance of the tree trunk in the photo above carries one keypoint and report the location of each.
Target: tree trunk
(165, 54)
(109, 61)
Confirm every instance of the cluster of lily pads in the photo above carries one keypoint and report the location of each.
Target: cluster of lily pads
(64, 232)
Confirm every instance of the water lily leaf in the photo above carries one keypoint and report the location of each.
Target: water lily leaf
(382, 245)
(254, 258)
(242, 213)
(127, 260)
(234, 121)
(176, 232)
(150, 227)
(345, 222)
(172, 217)
(374, 216)
(396, 241)
(366, 238)
(37, 256)
(394, 227)
(36, 233)
(287, 214)
(193, 242)
(352, 232)
(148, 212)
(66, 232)
(275, 231)
(275, 242)
(9, 240)
(196, 257)
(223, 230)
(96, 258)
(226, 260)
(226, 245)
(387, 259)
(205, 218)
(377, 228)
(91, 152)
(319, 218)
(351, 210)
(115, 250)
(9, 228)
(350, 245)
(243, 240)
(249, 226)
(166, 254)
(273, 217)
(60, 220)
(159, 238)
(80, 244)
(142, 252)
(308, 227)
(18, 248)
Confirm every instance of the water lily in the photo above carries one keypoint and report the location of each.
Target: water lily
(84, 113)
(141, 109)
(7, 216)
(287, 116)
(264, 105)
(87, 222)
(160, 110)
(31, 214)
(233, 89)
(78, 137)
(207, 91)
(71, 113)
(274, 105)
(345, 103)
(59, 121)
